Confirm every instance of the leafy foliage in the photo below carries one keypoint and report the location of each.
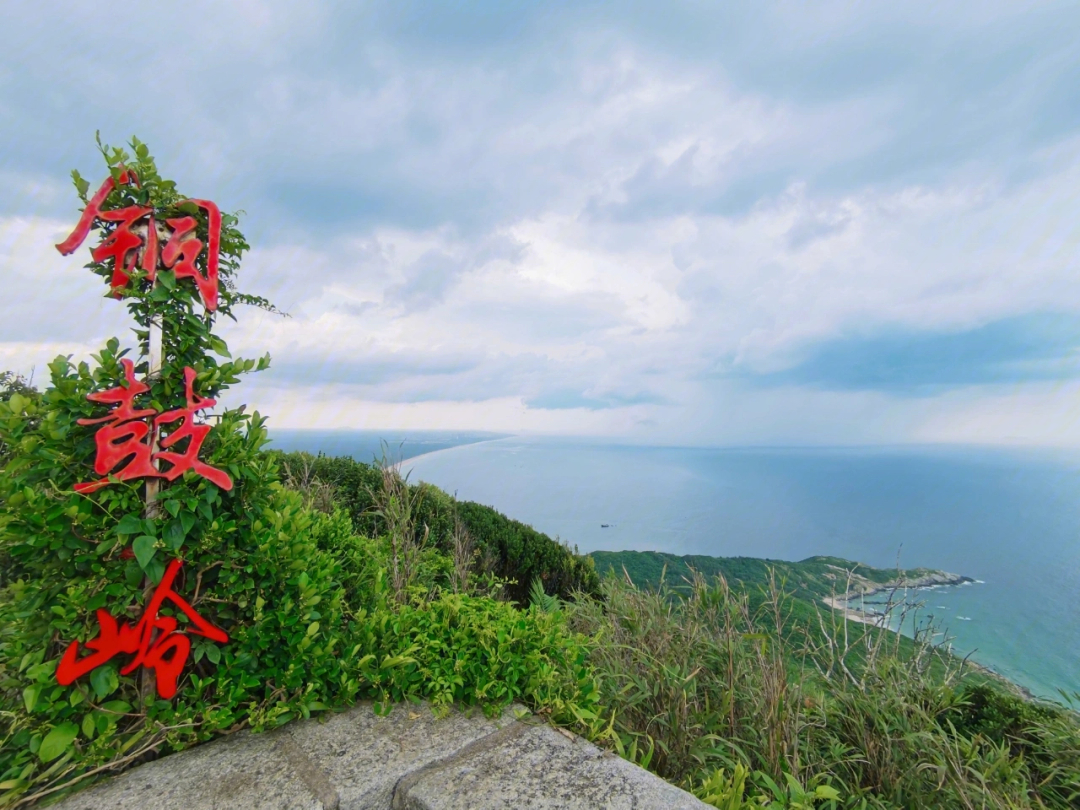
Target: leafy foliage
(735, 695)
(506, 548)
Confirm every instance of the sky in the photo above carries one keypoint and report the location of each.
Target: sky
(679, 222)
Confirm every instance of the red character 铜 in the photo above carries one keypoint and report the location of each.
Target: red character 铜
(122, 243)
(154, 640)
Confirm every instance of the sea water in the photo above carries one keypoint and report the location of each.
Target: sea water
(1009, 519)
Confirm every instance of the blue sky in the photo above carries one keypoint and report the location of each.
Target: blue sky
(679, 222)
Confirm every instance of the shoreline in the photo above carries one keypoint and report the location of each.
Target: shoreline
(398, 465)
(878, 619)
(861, 588)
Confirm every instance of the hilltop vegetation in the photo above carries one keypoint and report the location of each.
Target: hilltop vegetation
(509, 550)
(736, 683)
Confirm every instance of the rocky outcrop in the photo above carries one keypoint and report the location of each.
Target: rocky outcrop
(407, 760)
(861, 586)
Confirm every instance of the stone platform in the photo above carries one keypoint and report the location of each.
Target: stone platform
(407, 760)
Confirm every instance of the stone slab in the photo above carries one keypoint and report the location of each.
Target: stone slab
(241, 772)
(364, 756)
(541, 768)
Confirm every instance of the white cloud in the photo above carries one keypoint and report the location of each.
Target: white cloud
(461, 228)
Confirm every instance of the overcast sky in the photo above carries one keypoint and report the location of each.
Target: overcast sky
(736, 223)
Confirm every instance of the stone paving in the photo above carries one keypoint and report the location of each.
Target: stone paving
(407, 760)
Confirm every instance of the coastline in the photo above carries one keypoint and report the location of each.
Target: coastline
(876, 618)
(860, 588)
(397, 465)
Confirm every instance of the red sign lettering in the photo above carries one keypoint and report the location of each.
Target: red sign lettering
(188, 459)
(125, 436)
(154, 640)
(122, 244)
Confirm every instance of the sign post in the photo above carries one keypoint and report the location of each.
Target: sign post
(147, 251)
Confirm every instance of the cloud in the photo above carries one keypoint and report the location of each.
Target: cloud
(1014, 350)
(705, 223)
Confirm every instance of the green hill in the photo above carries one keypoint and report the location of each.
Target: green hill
(812, 579)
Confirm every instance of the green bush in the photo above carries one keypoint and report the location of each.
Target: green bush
(510, 549)
(467, 650)
(734, 695)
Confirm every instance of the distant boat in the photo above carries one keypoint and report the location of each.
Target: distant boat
(606, 525)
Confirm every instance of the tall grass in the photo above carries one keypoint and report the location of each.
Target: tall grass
(704, 677)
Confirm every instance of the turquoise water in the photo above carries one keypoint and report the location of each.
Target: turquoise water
(1010, 519)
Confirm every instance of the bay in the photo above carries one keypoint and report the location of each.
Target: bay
(1008, 518)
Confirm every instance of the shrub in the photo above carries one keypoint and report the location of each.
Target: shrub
(513, 551)
(735, 696)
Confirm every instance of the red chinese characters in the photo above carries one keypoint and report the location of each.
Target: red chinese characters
(124, 442)
(188, 459)
(122, 244)
(124, 436)
(154, 641)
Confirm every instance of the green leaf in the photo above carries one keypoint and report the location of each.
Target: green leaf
(144, 550)
(105, 681)
(213, 654)
(172, 507)
(167, 279)
(129, 524)
(174, 535)
(30, 696)
(88, 727)
(187, 521)
(159, 294)
(155, 570)
(57, 741)
(219, 346)
(81, 185)
(827, 792)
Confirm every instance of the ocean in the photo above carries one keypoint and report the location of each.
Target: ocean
(1007, 518)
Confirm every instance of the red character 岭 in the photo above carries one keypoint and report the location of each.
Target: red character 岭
(124, 436)
(188, 459)
(154, 640)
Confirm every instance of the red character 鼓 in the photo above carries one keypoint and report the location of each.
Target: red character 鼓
(127, 436)
(188, 459)
(154, 640)
(124, 436)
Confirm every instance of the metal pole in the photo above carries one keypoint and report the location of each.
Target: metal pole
(155, 359)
